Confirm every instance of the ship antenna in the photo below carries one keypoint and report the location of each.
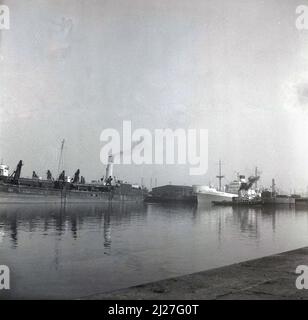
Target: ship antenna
(220, 176)
(61, 156)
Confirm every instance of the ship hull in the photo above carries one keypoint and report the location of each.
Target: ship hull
(209, 197)
(22, 194)
(239, 203)
(279, 201)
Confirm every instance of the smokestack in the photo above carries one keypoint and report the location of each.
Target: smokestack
(273, 186)
(109, 169)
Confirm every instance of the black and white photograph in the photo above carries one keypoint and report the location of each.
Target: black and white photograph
(153, 150)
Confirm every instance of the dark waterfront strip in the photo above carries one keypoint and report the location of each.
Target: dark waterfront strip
(271, 277)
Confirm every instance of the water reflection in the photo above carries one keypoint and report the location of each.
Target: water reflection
(107, 233)
(80, 249)
(61, 219)
(31, 218)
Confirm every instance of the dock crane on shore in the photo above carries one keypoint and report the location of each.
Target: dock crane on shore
(244, 191)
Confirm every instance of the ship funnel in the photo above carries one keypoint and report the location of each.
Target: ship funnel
(109, 169)
(273, 186)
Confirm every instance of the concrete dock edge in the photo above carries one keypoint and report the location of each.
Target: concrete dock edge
(271, 277)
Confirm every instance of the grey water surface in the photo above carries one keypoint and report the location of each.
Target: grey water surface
(72, 252)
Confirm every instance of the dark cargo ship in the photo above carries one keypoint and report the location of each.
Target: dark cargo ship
(15, 189)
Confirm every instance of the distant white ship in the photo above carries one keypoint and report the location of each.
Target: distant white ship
(208, 194)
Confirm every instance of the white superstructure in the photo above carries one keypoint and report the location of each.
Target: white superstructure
(4, 170)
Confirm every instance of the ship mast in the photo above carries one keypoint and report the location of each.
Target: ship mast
(61, 156)
(220, 176)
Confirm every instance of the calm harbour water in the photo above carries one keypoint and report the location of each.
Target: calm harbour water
(82, 249)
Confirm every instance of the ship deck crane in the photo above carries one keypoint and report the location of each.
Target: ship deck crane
(16, 174)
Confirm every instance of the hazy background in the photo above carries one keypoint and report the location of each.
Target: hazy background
(69, 69)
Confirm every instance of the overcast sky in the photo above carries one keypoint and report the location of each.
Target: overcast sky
(69, 69)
